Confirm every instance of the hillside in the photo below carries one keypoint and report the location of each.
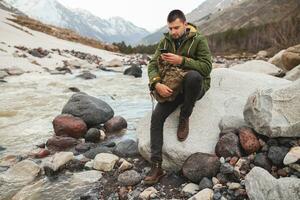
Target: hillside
(204, 10)
(61, 33)
(249, 25)
(249, 13)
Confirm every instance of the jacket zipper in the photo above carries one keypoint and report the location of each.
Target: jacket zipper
(173, 45)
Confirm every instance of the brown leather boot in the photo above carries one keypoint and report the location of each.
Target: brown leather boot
(155, 174)
(183, 129)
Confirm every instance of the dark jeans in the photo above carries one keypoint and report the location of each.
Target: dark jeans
(192, 91)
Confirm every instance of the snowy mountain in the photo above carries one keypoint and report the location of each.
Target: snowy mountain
(115, 29)
(5, 6)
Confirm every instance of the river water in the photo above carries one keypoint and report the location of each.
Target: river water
(30, 102)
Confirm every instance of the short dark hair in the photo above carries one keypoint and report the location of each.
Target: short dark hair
(174, 14)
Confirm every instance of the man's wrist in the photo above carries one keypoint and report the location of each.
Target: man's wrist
(182, 61)
(155, 84)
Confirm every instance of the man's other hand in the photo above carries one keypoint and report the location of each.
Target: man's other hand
(172, 58)
(163, 90)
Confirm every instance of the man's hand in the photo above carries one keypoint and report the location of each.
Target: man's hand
(163, 90)
(172, 58)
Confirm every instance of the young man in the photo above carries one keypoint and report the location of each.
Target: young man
(187, 49)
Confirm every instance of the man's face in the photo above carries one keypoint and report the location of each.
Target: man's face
(177, 28)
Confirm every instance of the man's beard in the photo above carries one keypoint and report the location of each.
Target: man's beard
(176, 37)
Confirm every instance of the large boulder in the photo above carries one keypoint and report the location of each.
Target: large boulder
(258, 66)
(291, 57)
(276, 60)
(262, 185)
(275, 112)
(91, 110)
(227, 96)
(294, 74)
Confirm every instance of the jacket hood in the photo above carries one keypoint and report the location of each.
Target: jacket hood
(191, 28)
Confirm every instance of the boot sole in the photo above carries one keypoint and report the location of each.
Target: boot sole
(154, 181)
(182, 139)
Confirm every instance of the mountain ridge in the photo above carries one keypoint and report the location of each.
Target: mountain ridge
(81, 21)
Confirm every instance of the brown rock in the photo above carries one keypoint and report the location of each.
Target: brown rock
(200, 165)
(123, 193)
(59, 143)
(282, 172)
(233, 160)
(228, 146)
(115, 124)
(248, 140)
(68, 125)
(42, 153)
(291, 57)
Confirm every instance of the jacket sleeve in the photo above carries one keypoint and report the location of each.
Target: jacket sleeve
(202, 61)
(153, 73)
(153, 68)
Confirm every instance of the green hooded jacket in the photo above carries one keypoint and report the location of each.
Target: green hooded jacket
(195, 52)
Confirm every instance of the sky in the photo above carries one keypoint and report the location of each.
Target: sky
(148, 14)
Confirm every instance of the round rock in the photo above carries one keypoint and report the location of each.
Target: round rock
(91, 110)
(129, 178)
(228, 146)
(205, 183)
(276, 154)
(68, 125)
(115, 124)
(126, 148)
(200, 165)
(248, 140)
(92, 135)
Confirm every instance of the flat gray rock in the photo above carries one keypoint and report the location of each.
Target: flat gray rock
(275, 112)
(260, 185)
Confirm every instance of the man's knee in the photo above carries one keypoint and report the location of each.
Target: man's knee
(193, 77)
(157, 116)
